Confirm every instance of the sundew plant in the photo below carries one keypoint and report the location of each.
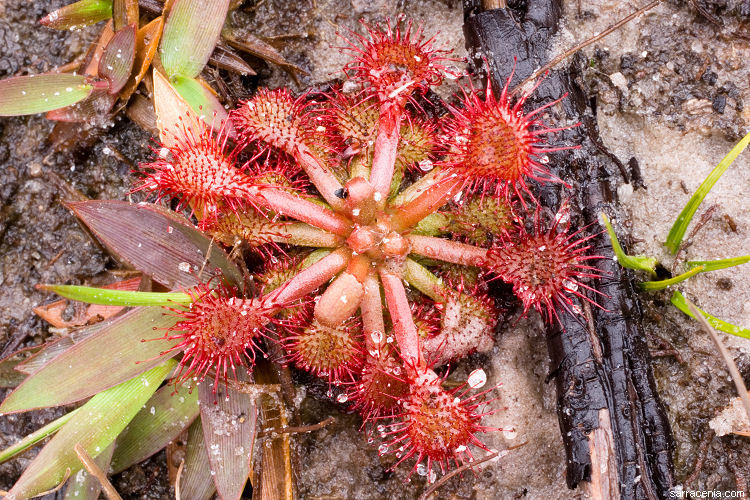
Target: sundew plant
(371, 230)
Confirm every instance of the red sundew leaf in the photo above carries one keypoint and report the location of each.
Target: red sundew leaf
(117, 61)
(113, 354)
(78, 14)
(196, 482)
(159, 243)
(94, 427)
(27, 95)
(163, 418)
(190, 35)
(229, 419)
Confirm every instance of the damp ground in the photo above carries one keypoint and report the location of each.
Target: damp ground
(671, 91)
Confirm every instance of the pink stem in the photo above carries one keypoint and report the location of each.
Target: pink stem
(448, 251)
(386, 149)
(306, 211)
(371, 307)
(309, 279)
(323, 180)
(409, 215)
(403, 323)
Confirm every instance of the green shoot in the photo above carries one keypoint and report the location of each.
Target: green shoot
(35, 437)
(680, 303)
(651, 286)
(107, 297)
(638, 262)
(683, 220)
(715, 265)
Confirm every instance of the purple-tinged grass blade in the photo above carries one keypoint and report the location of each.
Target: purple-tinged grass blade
(229, 419)
(78, 14)
(196, 482)
(117, 61)
(159, 243)
(27, 95)
(115, 353)
(94, 110)
(190, 35)
(95, 426)
(51, 350)
(146, 42)
(10, 375)
(84, 486)
(163, 418)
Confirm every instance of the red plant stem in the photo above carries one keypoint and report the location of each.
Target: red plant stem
(309, 279)
(448, 251)
(386, 149)
(372, 313)
(403, 324)
(323, 180)
(428, 202)
(306, 211)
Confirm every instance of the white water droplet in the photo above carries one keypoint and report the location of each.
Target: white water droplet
(477, 379)
(377, 337)
(425, 165)
(383, 449)
(570, 285)
(342, 398)
(184, 267)
(422, 469)
(431, 476)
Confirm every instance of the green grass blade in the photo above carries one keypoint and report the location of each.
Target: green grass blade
(158, 423)
(28, 95)
(94, 426)
(715, 265)
(679, 302)
(108, 297)
(638, 262)
(78, 14)
(116, 352)
(190, 35)
(35, 437)
(683, 220)
(651, 286)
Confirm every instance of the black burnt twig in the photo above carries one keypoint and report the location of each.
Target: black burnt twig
(614, 427)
